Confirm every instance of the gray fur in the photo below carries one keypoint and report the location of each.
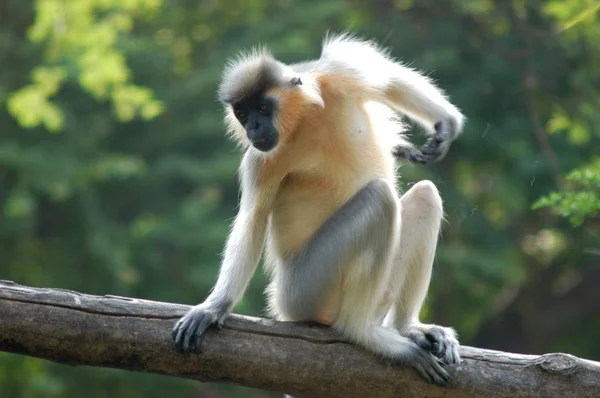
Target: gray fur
(244, 79)
(354, 250)
(362, 224)
(435, 148)
(188, 332)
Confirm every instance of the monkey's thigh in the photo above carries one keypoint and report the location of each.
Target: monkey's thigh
(347, 259)
(292, 307)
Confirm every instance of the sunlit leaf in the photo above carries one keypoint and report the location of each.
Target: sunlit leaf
(19, 204)
(84, 31)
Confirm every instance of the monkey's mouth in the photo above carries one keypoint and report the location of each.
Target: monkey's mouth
(265, 144)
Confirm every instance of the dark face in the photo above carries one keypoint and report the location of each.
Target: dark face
(256, 115)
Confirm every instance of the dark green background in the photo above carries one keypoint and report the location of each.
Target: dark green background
(97, 198)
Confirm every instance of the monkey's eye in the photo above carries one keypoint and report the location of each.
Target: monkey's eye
(263, 108)
(240, 114)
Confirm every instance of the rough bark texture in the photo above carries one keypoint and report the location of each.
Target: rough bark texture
(305, 361)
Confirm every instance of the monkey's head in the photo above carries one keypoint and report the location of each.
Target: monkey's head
(264, 99)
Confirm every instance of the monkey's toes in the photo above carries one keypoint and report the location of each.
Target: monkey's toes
(430, 369)
(421, 339)
(444, 344)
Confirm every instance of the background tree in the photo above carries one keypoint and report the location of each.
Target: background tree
(116, 177)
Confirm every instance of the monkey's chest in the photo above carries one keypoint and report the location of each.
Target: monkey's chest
(302, 206)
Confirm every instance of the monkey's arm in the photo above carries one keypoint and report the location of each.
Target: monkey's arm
(242, 253)
(416, 96)
(241, 257)
(374, 74)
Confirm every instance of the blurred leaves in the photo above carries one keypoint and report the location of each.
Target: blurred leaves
(82, 36)
(31, 105)
(136, 194)
(571, 13)
(581, 199)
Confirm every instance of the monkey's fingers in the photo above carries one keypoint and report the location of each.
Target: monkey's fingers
(412, 154)
(175, 329)
(446, 130)
(436, 148)
(203, 325)
(189, 331)
(179, 332)
(189, 339)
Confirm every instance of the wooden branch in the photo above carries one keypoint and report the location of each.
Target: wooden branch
(305, 361)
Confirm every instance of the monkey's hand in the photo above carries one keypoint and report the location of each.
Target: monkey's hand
(436, 147)
(438, 340)
(188, 332)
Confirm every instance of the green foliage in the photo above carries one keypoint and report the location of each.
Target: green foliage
(135, 195)
(580, 200)
(31, 106)
(81, 41)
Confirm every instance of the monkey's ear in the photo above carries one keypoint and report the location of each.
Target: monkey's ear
(296, 81)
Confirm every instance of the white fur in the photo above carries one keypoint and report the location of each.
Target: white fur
(357, 121)
(391, 82)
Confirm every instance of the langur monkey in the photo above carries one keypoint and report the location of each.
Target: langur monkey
(319, 190)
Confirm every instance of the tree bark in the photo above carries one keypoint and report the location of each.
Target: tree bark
(299, 359)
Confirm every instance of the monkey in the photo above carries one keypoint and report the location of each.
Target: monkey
(320, 198)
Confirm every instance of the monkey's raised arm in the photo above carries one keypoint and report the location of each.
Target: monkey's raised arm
(386, 80)
(241, 257)
(416, 96)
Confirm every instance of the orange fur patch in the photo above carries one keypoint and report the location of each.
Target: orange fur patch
(291, 108)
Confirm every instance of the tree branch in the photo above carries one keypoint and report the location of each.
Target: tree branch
(303, 360)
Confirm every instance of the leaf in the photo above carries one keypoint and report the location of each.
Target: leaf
(85, 32)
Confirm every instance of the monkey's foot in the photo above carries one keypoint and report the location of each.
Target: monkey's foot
(440, 341)
(430, 367)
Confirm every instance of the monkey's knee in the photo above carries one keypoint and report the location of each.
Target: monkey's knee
(427, 190)
(424, 193)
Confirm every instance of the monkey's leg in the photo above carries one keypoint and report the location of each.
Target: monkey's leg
(355, 249)
(422, 214)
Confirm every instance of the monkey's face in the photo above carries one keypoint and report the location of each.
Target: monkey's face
(257, 116)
